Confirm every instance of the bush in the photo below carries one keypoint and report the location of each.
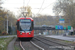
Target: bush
(4, 33)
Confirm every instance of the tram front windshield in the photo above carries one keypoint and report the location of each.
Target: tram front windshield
(25, 25)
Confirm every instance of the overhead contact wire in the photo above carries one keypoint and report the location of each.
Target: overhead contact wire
(41, 6)
(46, 7)
(28, 2)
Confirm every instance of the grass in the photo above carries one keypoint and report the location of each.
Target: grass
(68, 41)
(4, 43)
(17, 48)
(5, 35)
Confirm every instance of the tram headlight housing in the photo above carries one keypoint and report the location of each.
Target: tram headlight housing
(21, 33)
(29, 33)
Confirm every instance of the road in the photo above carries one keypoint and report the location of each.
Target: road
(62, 37)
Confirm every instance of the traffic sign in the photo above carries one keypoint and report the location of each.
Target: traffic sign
(69, 27)
(65, 28)
(61, 20)
(58, 27)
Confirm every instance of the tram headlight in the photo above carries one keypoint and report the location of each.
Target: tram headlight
(29, 33)
(20, 32)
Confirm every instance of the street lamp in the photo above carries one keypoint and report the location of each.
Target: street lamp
(7, 21)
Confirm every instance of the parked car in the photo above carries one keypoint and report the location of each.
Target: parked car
(44, 26)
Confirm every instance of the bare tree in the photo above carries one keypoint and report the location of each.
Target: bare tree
(67, 9)
(25, 9)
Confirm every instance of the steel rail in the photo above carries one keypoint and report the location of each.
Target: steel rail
(21, 46)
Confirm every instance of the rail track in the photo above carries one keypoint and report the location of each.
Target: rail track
(51, 42)
(48, 43)
(43, 43)
(29, 45)
(21, 46)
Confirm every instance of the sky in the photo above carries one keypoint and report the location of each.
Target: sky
(46, 9)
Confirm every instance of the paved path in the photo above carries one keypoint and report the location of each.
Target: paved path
(62, 37)
(11, 45)
(7, 36)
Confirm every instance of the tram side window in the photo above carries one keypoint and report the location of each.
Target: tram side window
(17, 25)
(32, 27)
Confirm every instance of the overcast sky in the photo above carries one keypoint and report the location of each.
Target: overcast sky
(13, 5)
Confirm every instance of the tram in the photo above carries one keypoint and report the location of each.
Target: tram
(25, 28)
